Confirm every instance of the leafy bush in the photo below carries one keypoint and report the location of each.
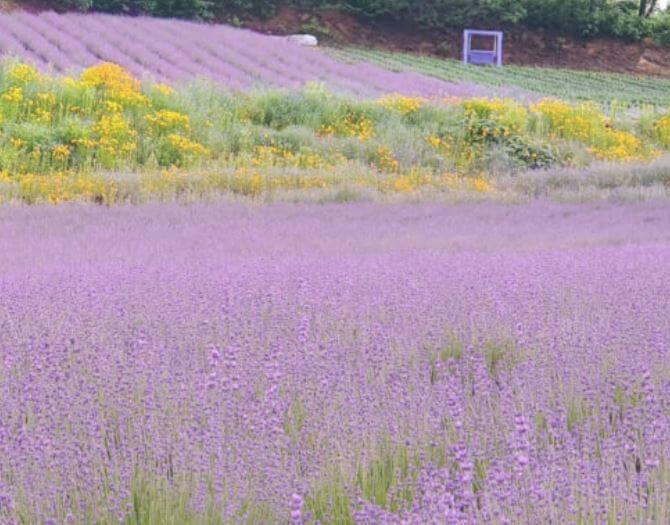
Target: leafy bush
(661, 131)
(101, 119)
(660, 29)
(586, 124)
(574, 17)
(581, 18)
(503, 123)
(59, 132)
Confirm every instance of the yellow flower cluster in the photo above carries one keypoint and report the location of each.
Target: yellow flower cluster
(65, 186)
(585, 123)
(101, 119)
(443, 145)
(621, 146)
(186, 146)
(461, 155)
(506, 113)
(66, 129)
(43, 116)
(163, 89)
(662, 130)
(403, 184)
(273, 156)
(170, 133)
(23, 73)
(44, 105)
(61, 152)
(166, 120)
(253, 182)
(435, 141)
(417, 179)
(13, 95)
(114, 138)
(495, 132)
(386, 160)
(118, 83)
(351, 125)
(401, 104)
(481, 185)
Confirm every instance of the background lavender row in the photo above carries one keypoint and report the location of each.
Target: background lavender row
(244, 353)
(174, 51)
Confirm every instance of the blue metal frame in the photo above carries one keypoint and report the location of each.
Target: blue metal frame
(482, 57)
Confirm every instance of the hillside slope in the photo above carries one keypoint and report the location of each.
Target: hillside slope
(175, 51)
(522, 46)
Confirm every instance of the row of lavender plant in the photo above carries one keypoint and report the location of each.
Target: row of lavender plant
(176, 51)
(361, 363)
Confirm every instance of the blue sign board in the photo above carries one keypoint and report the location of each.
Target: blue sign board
(483, 57)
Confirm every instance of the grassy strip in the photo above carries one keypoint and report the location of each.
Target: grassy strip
(76, 139)
(607, 88)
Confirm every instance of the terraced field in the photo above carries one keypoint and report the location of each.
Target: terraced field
(175, 51)
(565, 84)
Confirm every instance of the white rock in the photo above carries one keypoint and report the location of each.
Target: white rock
(304, 40)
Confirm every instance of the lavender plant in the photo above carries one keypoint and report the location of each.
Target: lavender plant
(178, 51)
(357, 363)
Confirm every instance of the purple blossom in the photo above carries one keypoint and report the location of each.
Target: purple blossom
(406, 363)
(180, 51)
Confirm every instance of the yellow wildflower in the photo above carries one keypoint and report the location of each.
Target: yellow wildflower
(481, 185)
(42, 115)
(165, 119)
(585, 123)
(401, 104)
(662, 130)
(23, 73)
(13, 95)
(386, 161)
(116, 82)
(403, 185)
(349, 126)
(111, 106)
(48, 98)
(434, 141)
(164, 89)
(186, 145)
(61, 152)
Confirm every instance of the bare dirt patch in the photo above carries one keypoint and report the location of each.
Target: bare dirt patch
(522, 47)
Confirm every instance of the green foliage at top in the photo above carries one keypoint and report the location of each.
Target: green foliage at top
(627, 19)
(189, 9)
(438, 13)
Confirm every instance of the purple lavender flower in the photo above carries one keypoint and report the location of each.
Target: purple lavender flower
(334, 363)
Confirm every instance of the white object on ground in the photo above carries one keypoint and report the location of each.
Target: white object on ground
(304, 40)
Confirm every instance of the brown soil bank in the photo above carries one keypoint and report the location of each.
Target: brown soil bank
(522, 47)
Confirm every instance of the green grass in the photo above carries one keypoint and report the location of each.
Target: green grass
(66, 140)
(608, 88)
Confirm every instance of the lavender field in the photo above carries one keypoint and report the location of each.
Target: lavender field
(178, 51)
(360, 363)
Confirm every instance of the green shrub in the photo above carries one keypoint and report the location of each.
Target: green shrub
(581, 18)
(660, 29)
